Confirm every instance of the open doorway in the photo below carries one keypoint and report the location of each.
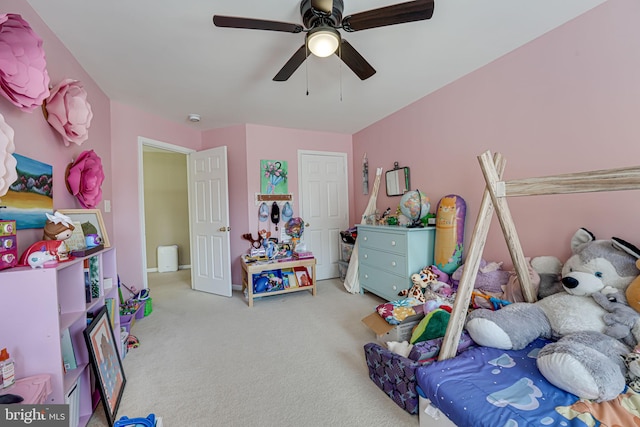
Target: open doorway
(164, 215)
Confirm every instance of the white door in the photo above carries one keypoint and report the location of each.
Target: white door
(209, 217)
(324, 207)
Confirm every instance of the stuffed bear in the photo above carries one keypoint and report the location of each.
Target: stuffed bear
(584, 360)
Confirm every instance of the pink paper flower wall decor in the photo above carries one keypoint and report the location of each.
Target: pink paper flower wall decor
(8, 174)
(84, 179)
(68, 111)
(23, 74)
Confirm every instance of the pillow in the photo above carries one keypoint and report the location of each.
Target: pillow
(433, 325)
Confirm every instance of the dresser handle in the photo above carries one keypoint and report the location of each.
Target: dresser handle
(393, 243)
(366, 256)
(365, 238)
(394, 287)
(366, 276)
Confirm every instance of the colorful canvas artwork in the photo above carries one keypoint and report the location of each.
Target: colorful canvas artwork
(273, 177)
(30, 197)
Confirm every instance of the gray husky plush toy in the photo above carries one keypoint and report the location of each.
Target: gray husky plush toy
(584, 360)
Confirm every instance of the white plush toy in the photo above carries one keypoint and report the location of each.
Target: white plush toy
(402, 348)
(585, 360)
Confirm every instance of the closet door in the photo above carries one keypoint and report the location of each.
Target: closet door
(324, 207)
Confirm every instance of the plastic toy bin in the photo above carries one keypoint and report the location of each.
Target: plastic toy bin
(167, 258)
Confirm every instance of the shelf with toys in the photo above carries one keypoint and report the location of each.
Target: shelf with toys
(275, 268)
(255, 273)
(48, 305)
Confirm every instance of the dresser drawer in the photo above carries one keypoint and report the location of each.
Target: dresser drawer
(389, 255)
(382, 240)
(391, 262)
(381, 283)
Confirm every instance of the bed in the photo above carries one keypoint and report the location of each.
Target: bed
(475, 388)
(488, 387)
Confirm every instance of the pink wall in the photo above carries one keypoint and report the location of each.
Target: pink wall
(246, 146)
(34, 137)
(127, 124)
(566, 102)
(264, 142)
(249, 144)
(563, 103)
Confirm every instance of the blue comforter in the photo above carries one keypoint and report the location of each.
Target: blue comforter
(494, 388)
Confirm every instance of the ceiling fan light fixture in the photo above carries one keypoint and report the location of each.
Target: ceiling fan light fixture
(323, 41)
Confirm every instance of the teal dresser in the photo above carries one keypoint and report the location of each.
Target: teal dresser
(389, 255)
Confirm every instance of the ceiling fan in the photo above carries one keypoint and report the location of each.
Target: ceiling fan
(322, 19)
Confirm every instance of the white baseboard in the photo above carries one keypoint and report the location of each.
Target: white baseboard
(188, 267)
(180, 267)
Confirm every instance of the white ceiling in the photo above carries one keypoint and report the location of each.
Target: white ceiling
(166, 56)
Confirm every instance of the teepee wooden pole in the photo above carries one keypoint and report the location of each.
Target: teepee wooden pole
(470, 271)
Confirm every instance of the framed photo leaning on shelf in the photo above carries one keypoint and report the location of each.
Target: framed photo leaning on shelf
(106, 362)
(91, 216)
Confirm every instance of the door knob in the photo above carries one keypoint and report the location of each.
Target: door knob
(223, 229)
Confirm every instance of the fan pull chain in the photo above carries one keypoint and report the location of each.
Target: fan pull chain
(340, 53)
(306, 66)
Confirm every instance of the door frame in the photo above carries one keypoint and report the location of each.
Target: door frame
(345, 157)
(142, 141)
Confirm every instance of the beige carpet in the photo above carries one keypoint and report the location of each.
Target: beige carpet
(291, 360)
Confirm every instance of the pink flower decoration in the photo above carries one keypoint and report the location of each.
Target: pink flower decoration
(84, 179)
(23, 75)
(68, 111)
(8, 174)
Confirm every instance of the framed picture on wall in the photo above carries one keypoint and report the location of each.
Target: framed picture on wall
(273, 177)
(90, 221)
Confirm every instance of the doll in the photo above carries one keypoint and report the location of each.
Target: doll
(58, 227)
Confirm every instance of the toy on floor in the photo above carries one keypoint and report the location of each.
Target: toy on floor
(150, 421)
(132, 342)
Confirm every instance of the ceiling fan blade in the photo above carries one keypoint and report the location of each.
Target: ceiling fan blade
(292, 64)
(410, 11)
(355, 61)
(325, 6)
(255, 24)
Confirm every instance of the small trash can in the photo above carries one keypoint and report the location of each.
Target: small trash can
(167, 258)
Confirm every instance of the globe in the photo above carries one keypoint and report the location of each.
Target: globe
(414, 205)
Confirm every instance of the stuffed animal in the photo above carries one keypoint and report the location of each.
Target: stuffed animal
(622, 321)
(632, 362)
(402, 348)
(420, 281)
(584, 361)
(491, 277)
(633, 291)
(58, 227)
